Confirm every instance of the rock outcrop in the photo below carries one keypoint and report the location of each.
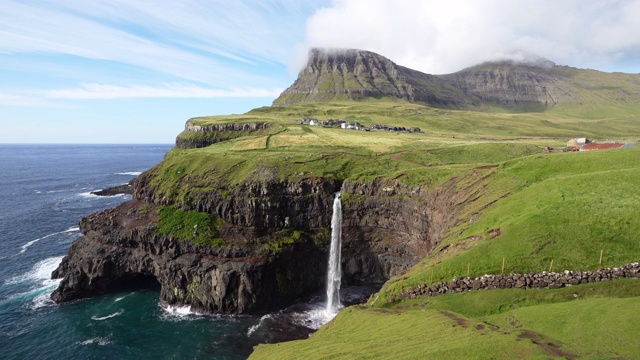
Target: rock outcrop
(124, 189)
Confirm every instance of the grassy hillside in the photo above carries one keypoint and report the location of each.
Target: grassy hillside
(561, 207)
(565, 207)
(597, 321)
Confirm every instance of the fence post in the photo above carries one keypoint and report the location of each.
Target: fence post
(551, 265)
(601, 253)
(503, 265)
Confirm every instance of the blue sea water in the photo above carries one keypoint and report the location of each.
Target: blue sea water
(44, 191)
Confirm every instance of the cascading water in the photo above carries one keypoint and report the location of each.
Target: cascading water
(334, 273)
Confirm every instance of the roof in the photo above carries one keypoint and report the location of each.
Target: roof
(591, 147)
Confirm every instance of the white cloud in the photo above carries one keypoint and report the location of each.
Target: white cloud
(176, 91)
(441, 37)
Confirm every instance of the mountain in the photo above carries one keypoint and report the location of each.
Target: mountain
(535, 85)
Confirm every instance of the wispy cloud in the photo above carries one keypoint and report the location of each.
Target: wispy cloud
(176, 91)
(52, 98)
(219, 43)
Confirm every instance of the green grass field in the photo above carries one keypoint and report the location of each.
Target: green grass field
(594, 321)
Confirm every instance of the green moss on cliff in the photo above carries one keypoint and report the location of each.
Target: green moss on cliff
(195, 226)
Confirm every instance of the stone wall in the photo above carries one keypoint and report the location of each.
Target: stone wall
(544, 280)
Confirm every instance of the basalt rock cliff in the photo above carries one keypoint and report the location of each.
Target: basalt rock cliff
(387, 228)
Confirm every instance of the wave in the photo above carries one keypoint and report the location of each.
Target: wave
(255, 327)
(24, 247)
(96, 318)
(132, 173)
(89, 195)
(44, 298)
(40, 272)
(179, 312)
(42, 284)
(102, 341)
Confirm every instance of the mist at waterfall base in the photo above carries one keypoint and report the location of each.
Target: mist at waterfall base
(44, 191)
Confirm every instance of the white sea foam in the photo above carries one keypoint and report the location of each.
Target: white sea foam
(24, 247)
(42, 284)
(132, 173)
(39, 273)
(96, 318)
(313, 319)
(44, 298)
(255, 327)
(89, 195)
(122, 297)
(102, 341)
(179, 312)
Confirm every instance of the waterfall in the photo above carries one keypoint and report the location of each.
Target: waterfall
(334, 273)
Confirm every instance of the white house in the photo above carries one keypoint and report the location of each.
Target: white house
(313, 122)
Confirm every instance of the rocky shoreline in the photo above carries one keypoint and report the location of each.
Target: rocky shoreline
(543, 280)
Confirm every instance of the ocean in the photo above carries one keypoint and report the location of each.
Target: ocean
(44, 191)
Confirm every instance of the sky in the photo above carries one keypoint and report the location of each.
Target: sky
(132, 71)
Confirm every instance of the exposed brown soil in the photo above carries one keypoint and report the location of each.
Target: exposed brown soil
(550, 348)
(460, 321)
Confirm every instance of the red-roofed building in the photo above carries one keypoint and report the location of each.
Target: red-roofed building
(592, 147)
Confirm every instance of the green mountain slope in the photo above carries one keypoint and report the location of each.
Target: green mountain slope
(540, 85)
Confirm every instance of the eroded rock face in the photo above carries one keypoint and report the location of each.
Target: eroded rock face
(198, 136)
(231, 279)
(387, 228)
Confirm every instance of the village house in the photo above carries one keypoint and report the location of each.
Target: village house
(577, 143)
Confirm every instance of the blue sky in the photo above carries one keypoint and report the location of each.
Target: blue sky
(134, 71)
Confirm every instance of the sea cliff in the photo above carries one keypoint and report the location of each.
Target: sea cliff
(271, 241)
